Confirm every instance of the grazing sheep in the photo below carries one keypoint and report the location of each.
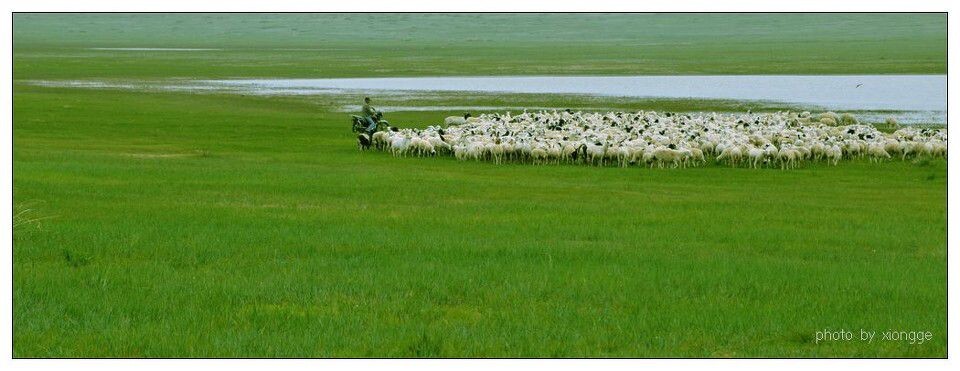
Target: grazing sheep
(926, 149)
(649, 158)
(834, 154)
(399, 144)
(554, 153)
(877, 152)
(539, 155)
(731, 154)
(596, 152)
(363, 142)
(439, 144)
(667, 155)
(696, 155)
(755, 155)
(417, 145)
(456, 120)
(788, 157)
(664, 139)
(380, 140)
(569, 151)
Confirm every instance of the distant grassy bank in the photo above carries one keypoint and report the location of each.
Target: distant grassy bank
(356, 45)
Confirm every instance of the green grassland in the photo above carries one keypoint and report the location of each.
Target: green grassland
(172, 224)
(309, 45)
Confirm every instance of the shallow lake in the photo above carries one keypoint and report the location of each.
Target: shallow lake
(841, 92)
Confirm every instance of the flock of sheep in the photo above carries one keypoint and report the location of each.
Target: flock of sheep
(782, 139)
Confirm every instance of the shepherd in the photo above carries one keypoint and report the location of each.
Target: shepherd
(371, 115)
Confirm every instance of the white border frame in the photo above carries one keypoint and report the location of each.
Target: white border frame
(6, 181)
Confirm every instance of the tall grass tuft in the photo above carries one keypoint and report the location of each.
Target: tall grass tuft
(25, 215)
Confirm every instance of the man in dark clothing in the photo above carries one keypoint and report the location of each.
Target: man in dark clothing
(369, 114)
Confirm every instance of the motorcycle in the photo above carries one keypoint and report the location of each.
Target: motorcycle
(359, 123)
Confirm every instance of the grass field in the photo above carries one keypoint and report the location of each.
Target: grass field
(166, 224)
(55, 46)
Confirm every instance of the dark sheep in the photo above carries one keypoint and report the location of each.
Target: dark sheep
(363, 142)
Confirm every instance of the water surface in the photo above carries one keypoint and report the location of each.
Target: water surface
(841, 92)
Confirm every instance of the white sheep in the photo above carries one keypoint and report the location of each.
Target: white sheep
(665, 139)
(456, 120)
